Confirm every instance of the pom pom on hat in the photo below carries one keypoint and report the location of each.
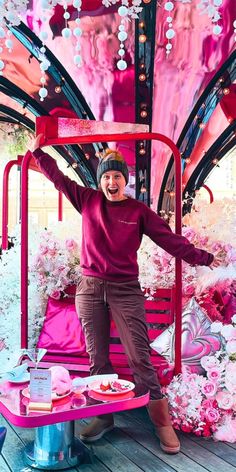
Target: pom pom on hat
(112, 160)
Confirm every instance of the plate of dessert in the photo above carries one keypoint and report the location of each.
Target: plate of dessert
(55, 395)
(113, 387)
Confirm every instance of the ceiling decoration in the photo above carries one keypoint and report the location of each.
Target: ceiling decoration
(69, 11)
(213, 112)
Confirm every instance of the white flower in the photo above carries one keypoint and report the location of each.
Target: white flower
(227, 331)
(234, 319)
(216, 327)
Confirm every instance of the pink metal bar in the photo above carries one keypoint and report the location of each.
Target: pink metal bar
(60, 206)
(5, 200)
(24, 249)
(210, 193)
(84, 139)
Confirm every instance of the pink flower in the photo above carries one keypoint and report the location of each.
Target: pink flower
(212, 415)
(189, 233)
(189, 290)
(43, 250)
(207, 403)
(227, 431)
(56, 294)
(71, 244)
(214, 374)
(225, 400)
(209, 389)
(52, 252)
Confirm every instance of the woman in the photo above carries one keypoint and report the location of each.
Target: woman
(113, 226)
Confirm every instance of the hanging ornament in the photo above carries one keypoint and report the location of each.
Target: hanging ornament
(234, 25)
(44, 62)
(77, 31)
(126, 12)
(10, 12)
(122, 36)
(170, 33)
(210, 8)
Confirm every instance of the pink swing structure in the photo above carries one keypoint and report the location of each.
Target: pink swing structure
(166, 307)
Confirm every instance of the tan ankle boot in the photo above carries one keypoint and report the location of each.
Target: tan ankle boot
(97, 428)
(159, 413)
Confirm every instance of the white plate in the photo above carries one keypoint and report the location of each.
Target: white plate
(125, 386)
(22, 379)
(26, 394)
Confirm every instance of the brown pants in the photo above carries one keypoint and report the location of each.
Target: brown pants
(95, 299)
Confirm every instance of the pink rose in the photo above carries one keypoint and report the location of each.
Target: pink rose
(71, 245)
(43, 250)
(214, 374)
(189, 290)
(212, 415)
(207, 403)
(56, 294)
(225, 400)
(209, 389)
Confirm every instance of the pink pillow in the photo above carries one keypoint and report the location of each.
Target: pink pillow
(62, 332)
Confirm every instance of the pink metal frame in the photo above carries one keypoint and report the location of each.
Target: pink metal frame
(178, 222)
(210, 192)
(5, 200)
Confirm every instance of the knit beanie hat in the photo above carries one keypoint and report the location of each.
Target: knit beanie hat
(112, 160)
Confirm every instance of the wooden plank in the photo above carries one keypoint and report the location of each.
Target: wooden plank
(113, 458)
(203, 456)
(13, 450)
(136, 452)
(139, 432)
(110, 456)
(219, 448)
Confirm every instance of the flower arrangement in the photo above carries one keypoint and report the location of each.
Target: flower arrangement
(56, 265)
(206, 405)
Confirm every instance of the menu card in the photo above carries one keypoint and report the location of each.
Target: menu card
(40, 386)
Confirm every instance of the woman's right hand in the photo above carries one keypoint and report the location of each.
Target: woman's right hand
(37, 142)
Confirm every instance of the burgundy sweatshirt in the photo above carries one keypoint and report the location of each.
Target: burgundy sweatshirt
(112, 231)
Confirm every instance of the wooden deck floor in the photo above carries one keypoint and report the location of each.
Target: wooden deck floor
(131, 447)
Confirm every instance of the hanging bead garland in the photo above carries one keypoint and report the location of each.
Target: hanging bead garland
(77, 31)
(127, 13)
(9, 15)
(170, 33)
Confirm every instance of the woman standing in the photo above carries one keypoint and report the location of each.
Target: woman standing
(113, 226)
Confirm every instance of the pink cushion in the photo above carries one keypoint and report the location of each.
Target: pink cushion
(62, 332)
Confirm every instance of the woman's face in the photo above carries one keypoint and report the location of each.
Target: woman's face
(113, 185)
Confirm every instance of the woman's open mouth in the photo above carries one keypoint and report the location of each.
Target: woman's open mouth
(112, 191)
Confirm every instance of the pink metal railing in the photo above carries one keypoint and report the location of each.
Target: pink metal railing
(53, 139)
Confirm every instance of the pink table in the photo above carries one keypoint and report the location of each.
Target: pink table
(55, 446)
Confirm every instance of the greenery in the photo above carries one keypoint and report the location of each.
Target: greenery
(16, 137)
